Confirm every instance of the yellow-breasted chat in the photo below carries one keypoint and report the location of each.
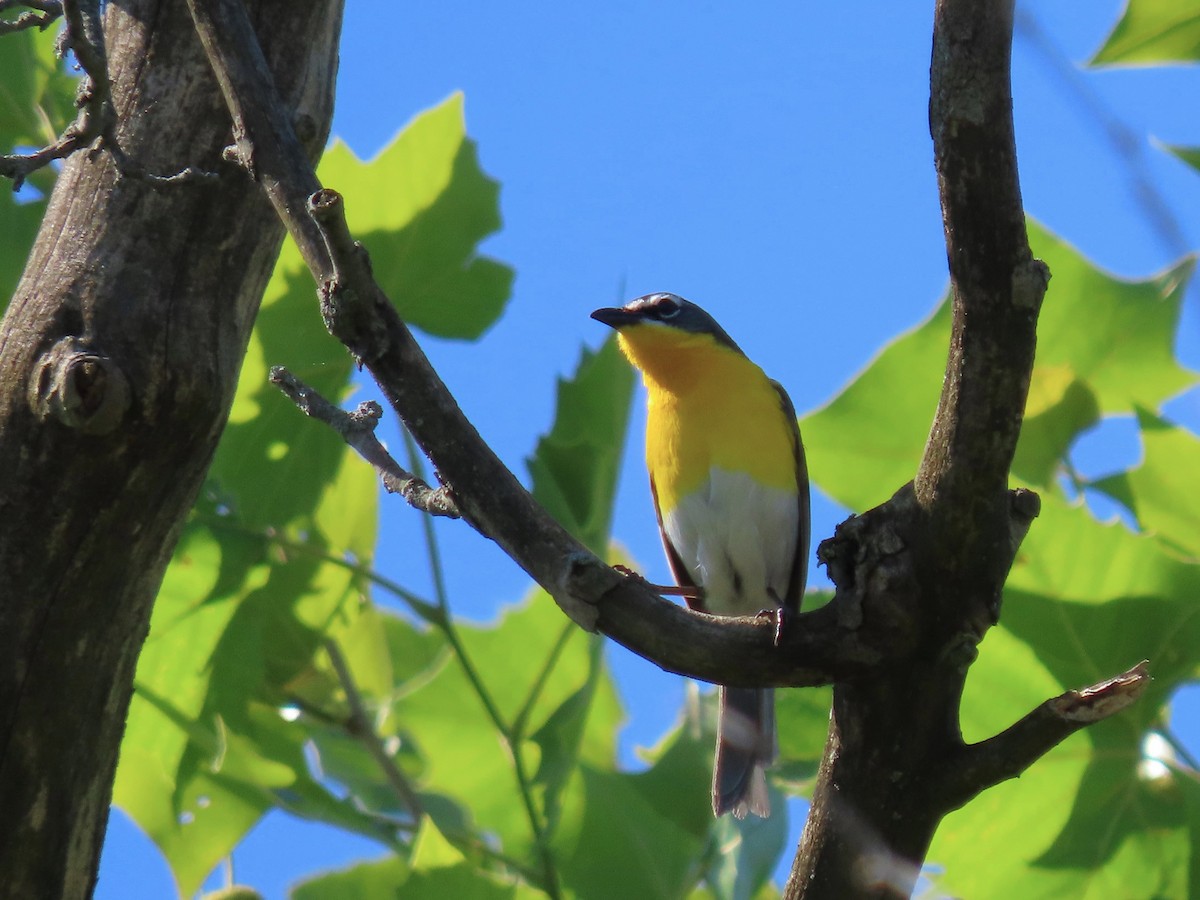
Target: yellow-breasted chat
(730, 489)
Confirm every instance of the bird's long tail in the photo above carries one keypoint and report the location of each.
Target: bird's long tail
(746, 745)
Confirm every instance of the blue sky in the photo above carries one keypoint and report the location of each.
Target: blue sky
(769, 161)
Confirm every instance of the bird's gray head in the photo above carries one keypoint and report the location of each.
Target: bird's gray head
(668, 310)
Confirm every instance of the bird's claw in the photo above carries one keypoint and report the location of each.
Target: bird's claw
(778, 615)
(689, 591)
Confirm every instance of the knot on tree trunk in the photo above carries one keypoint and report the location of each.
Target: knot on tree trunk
(878, 589)
(79, 387)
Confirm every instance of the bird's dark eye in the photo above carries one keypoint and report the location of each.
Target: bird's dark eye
(666, 308)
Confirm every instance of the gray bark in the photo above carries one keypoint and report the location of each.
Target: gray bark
(119, 355)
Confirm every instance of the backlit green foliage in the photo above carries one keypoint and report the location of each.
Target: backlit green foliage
(507, 731)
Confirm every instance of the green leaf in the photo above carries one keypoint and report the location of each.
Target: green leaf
(1189, 787)
(1153, 31)
(640, 835)
(376, 880)
(206, 751)
(1158, 491)
(437, 871)
(19, 224)
(1085, 600)
(802, 718)
(1059, 408)
(37, 95)
(1189, 155)
(36, 102)
(868, 441)
(1125, 355)
(421, 207)
(576, 465)
(273, 463)
(750, 850)
(562, 736)
(461, 750)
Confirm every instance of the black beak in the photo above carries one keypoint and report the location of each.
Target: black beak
(615, 316)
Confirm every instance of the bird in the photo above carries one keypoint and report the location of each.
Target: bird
(730, 488)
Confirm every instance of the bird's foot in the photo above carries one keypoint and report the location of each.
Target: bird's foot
(689, 591)
(779, 616)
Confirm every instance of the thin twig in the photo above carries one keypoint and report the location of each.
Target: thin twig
(95, 124)
(359, 726)
(39, 14)
(357, 429)
(510, 734)
(440, 594)
(540, 681)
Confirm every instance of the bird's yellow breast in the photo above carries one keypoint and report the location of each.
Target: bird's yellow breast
(709, 406)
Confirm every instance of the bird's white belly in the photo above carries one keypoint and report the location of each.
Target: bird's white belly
(738, 540)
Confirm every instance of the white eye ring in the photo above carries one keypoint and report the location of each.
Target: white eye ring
(666, 309)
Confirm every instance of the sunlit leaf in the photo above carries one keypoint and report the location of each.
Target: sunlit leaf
(802, 717)
(36, 93)
(1153, 31)
(750, 849)
(639, 835)
(376, 880)
(36, 97)
(1189, 155)
(1159, 490)
(576, 465)
(436, 871)
(462, 749)
(421, 207)
(868, 440)
(1085, 601)
(206, 751)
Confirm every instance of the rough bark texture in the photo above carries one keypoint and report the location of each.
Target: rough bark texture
(895, 737)
(119, 354)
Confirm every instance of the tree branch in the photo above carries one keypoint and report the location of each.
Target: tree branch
(38, 14)
(879, 796)
(358, 725)
(264, 141)
(1012, 751)
(95, 124)
(996, 284)
(918, 578)
(357, 429)
(818, 649)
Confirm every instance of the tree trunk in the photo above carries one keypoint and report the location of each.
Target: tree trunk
(119, 356)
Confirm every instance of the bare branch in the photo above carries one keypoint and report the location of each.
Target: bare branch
(359, 726)
(265, 143)
(39, 14)
(1012, 751)
(357, 429)
(95, 124)
(96, 117)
